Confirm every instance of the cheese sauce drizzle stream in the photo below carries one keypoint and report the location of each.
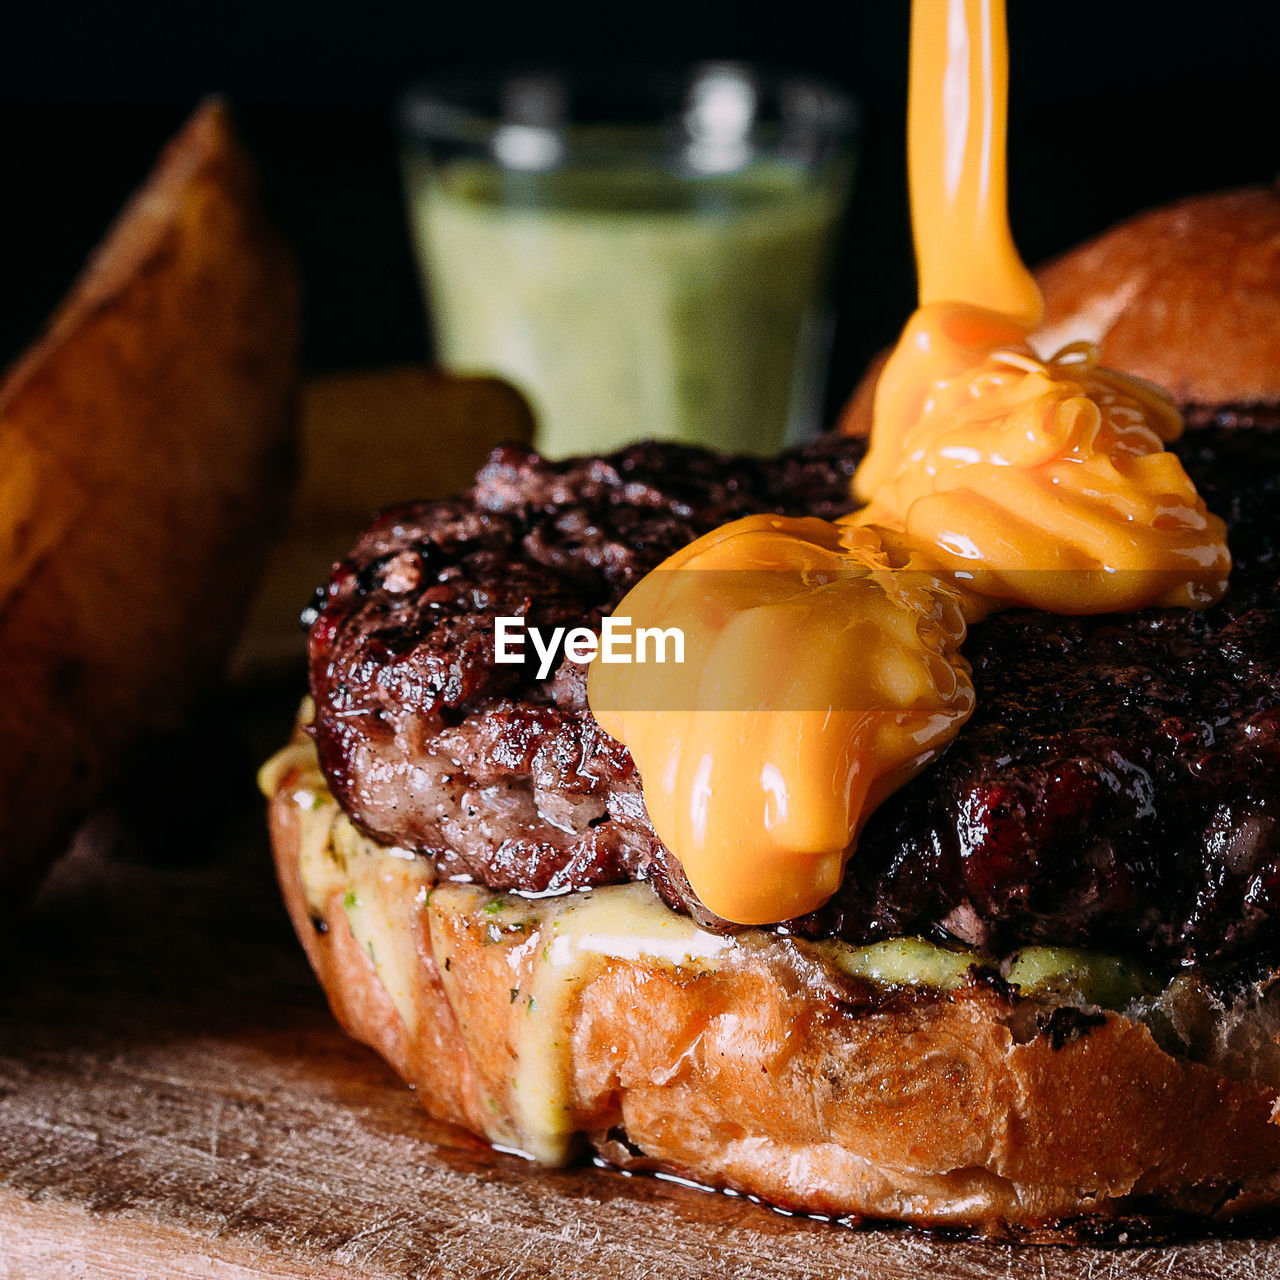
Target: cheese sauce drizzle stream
(822, 667)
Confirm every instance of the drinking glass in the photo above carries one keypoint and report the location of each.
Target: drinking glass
(642, 255)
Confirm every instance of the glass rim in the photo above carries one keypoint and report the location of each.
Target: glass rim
(462, 107)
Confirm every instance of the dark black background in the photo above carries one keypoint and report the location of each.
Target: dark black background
(1115, 106)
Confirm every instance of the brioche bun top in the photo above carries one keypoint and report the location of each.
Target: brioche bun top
(1186, 296)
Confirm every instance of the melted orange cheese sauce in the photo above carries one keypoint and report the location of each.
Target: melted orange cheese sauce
(1030, 482)
(822, 666)
(821, 672)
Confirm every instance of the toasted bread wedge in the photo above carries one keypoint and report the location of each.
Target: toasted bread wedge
(144, 444)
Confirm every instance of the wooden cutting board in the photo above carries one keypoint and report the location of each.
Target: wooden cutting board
(176, 1101)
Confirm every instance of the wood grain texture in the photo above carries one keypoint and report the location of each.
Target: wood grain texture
(176, 1101)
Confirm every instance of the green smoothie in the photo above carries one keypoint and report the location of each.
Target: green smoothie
(633, 303)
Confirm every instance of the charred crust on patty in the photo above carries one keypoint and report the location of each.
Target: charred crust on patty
(1067, 1023)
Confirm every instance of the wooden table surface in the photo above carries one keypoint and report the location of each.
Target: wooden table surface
(176, 1101)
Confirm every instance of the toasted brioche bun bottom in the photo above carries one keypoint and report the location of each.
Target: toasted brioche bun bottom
(771, 1072)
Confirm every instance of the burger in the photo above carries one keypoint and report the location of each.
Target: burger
(1042, 1001)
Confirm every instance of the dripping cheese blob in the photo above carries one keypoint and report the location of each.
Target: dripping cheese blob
(824, 668)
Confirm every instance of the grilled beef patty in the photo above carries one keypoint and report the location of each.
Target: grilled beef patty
(1117, 787)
